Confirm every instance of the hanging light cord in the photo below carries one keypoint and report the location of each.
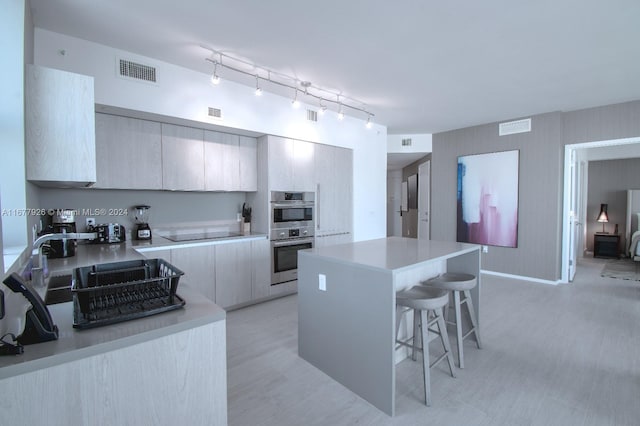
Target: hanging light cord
(340, 102)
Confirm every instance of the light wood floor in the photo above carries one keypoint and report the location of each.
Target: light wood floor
(553, 355)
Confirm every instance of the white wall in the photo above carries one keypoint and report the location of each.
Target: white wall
(12, 169)
(419, 143)
(187, 95)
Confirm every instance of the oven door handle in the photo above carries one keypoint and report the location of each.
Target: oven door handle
(292, 205)
(291, 242)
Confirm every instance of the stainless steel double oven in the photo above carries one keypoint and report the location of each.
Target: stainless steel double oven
(292, 226)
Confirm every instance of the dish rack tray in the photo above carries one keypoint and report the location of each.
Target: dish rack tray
(109, 293)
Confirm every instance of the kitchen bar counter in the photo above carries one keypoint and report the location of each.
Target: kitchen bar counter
(347, 330)
(163, 369)
(74, 344)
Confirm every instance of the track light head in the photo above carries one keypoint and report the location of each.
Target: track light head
(258, 88)
(214, 77)
(295, 102)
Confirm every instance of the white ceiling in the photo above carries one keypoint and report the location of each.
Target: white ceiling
(421, 66)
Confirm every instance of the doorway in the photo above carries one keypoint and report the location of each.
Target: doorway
(424, 203)
(574, 209)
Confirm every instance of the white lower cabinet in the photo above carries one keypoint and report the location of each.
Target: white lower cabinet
(230, 274)
(233, 273)
(198, 265)
(261, 269)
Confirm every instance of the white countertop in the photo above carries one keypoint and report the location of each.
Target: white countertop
(73, 344)
(392, 253)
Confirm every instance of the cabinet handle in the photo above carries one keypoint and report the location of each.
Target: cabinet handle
(317, 213)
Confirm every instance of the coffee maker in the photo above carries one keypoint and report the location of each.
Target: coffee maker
(60, 221)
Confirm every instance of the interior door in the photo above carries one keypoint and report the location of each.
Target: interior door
(424, 173)
(574, 224)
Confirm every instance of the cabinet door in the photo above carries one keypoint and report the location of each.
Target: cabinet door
(280, 164)
(198, 265)
(128, 153)
(334, 177)
(59, 127)
(233, 273)
(248, 163)
(182, 158)
(221, 161)
(303, 166)
(261, 271)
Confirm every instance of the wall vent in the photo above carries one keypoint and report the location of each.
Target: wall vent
(513, 127)
(215, 112)
(312, 115)
(137, 71)
(406, 142)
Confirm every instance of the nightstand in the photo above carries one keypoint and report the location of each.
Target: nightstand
(606, 245)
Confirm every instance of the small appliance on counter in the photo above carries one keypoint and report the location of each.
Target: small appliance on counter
(141, 218)
(109, 233)
(60, 221)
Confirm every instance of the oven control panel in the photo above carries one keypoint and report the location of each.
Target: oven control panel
(291, 233)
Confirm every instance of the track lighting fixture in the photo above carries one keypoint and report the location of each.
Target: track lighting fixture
(324, 96)
(369, 124)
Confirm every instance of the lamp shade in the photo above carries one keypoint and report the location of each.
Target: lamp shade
(603, 216)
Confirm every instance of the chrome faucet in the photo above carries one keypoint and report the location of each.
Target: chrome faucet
(38, 259)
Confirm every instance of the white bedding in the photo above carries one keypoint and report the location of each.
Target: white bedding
(634, 247)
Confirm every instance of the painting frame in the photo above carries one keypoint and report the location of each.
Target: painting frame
(487, 197)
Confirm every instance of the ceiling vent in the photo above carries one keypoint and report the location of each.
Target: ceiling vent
(312, 115)
(406, 142)
(513, 127)
(137, 71)
(215, 112)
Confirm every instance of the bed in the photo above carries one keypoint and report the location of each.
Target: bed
(634, 245)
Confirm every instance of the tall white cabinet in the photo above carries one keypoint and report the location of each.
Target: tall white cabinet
(59, 127)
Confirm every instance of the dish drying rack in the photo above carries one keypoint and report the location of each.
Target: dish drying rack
(109, 293)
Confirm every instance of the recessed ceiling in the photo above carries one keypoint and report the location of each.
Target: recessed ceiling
(421, 66)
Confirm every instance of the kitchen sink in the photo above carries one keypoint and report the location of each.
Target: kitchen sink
(58, 290)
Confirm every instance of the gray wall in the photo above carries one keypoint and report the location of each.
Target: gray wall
(608, 184)
(539, 206)
(539, 251)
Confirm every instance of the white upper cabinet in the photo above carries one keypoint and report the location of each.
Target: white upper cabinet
(60, 128)
(182, 158)
(291, 165)
(230, 162)
(248, 164)
(129, 153)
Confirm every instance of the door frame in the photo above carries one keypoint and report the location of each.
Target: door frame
(568, 216)
(424, 181)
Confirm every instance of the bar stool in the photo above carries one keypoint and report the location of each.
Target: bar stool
(425, 301)
(457, 283)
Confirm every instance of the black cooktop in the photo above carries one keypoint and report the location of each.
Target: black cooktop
(201, 236)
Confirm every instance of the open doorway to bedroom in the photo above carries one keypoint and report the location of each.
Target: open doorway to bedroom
(584, 194)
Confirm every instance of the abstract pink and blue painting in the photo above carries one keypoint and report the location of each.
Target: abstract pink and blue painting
(488, 198)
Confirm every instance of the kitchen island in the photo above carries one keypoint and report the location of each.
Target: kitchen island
(347, 306)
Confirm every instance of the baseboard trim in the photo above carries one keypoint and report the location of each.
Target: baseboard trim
(521, 277)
